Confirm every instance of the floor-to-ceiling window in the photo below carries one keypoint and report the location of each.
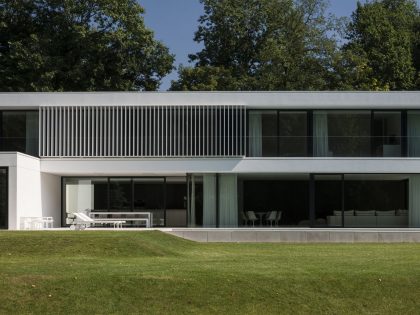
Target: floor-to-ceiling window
(176, 201)
(277, 133)
(361, 200)
(149, 196)
(413, 133)
(387, 133)
(333, 133)
(328, 199)
(341, 133)
(4, 209)
(285, 195)
(162, 197)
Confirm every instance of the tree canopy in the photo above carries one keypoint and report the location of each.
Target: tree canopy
(295, 45)
(77, 45)
(382, 52)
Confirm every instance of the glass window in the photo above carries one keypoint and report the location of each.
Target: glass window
(4, 209)
(376, 201)
(413, 133)
(387, 134)
(20, 131)
(176, 202)
(149, 197)
(293, 134)
(342, 133)
(262, 133)
(288, 197)
(328, 200)
(120, 194)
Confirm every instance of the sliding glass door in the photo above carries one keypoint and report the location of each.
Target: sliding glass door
(163, 197)
(329, 201)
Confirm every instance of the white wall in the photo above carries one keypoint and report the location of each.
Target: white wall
(179, 166)
(28, 188)
(51, 197)
(31, 193)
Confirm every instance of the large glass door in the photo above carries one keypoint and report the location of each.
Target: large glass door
(329, 200)
(149, 196)
(4, 209)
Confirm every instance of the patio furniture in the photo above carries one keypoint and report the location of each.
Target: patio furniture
(251, 217)
(81, 221)
(271, 217)
(369, 218)
(145, 218)
(244, 219)
(36, 223)
(278, 218)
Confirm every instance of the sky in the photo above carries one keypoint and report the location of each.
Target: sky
(174, 22)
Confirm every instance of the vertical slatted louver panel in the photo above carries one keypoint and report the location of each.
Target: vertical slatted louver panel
(189, 130)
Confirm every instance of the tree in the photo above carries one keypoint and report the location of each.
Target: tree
(261, 45)
(78, 45)
(381, 50)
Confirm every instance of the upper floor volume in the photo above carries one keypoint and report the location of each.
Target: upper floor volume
(211, 124)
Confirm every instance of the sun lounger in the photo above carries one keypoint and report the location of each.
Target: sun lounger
(81, 221)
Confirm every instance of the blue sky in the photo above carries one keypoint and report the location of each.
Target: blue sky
(175, 21)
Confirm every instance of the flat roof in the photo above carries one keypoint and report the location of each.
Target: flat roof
(286, 100)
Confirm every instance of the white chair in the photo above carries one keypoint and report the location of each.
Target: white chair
(278, 218)
(252, 217)
(244, 219)
(271, 217)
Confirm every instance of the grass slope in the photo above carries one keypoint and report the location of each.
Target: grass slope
(151, 272)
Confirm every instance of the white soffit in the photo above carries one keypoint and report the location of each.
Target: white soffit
(286, 100)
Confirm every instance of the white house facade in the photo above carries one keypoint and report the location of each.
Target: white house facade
(212, 159)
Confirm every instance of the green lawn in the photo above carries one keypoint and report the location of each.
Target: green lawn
(151, 272)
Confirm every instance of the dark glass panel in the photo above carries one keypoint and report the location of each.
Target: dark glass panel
(149, 197)
(328, 200)
(176, 202)
(120, 194)
(3, 199)
(376, 201)
(387, 134)
(291, 197)
(342, 133)
(293, 134)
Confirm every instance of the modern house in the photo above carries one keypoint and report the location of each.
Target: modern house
(213, 159)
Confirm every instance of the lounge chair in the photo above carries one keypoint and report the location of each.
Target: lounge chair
(81, 221)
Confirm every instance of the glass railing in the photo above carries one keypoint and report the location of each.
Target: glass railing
(333, 146)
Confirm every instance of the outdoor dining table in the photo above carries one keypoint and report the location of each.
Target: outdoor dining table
(260, 215)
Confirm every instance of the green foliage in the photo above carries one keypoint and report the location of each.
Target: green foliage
(293, 45)
(74, 45)
(261, 45)
(382, 52)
